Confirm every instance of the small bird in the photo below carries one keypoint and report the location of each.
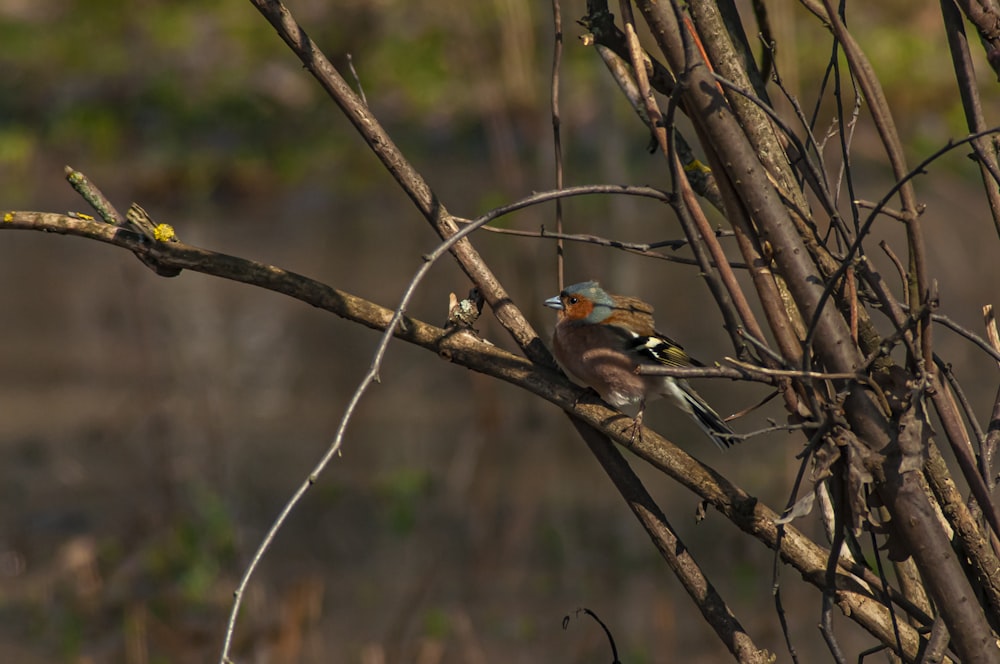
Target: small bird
(603, 339)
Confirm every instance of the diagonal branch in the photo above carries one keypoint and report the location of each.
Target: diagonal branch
(965, 77)
(985, 15)
(683, 564)
(915, 522)
(466, 349)
(412, 183)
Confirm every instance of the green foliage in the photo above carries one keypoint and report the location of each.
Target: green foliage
(907, 49)
(70, 633)
(551, 545)
(17, 144)
(194, 550)
(437, 623)
(415, 66)
(193, 87)
(402, 491)
(747, 579)
(637, 655)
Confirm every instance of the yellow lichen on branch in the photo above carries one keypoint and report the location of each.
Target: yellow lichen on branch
(164, 233)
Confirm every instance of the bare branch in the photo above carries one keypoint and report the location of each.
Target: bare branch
(985, 15)
(405, 174)
(673, 550)
(465, 349)
(557, 47)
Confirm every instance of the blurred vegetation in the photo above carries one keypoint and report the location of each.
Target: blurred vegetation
(186, 103)
(204, 99)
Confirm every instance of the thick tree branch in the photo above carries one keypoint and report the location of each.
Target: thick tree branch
(466, 349)
(408, 178)
(985, 15)
(678, 557)
(900, 489)
(817, 308)
(965, 75)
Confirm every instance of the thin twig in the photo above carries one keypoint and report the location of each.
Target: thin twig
(412, 183)
(886, 210)
(787, 428)
(826, 614)
(796, 373)
(992, 329)
(370, 377)
(993, 430)
(834, 279)
(968, 334)
(885, 591)
(968, 89)
(812, 170)
(963, 401)
(745, 372)
(94, 196)
(641, 248)
(357, 79)
(899, 268)
(881, 114)
(814, 440)
(557, 45)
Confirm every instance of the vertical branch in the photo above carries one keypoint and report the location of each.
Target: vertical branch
(965, 76)
(886, 127)
(951, 422)
(988, 453)
(728, 63)
(557, 44)
(982, 558)
(728, 277)
(780, 312)
(914, 519)
(693, 221)
(721, 130)
(985, 15)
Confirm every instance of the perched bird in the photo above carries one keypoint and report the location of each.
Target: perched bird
(603, 339)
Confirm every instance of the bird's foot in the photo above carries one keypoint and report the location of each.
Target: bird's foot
(636, 427)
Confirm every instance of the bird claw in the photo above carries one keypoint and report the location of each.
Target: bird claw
(636, 433)
(636, 428)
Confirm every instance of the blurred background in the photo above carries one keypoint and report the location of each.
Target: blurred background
(151, 429)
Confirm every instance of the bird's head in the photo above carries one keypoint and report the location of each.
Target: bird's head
(585, 302)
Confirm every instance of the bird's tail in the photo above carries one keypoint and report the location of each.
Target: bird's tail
(708, 419)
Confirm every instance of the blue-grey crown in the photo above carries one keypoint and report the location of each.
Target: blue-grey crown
(603, 304)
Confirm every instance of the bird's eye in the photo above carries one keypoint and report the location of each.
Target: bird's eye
(574, 300)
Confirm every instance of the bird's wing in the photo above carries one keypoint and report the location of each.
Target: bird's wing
(663, 350)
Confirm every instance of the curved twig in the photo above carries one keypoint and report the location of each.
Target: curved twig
(855, 248)
(467, 350)
(371, 376)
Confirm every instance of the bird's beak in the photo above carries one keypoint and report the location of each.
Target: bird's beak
(554, 303)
